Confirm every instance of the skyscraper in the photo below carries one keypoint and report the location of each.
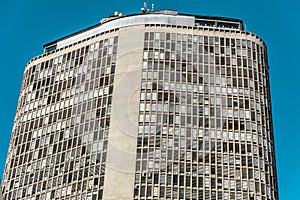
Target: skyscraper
(157, 105)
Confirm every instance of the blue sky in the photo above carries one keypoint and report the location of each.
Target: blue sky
(27, 25)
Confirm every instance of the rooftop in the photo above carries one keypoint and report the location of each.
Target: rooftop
(163, 17)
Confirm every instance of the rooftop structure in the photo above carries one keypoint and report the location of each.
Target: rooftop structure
(162, 17)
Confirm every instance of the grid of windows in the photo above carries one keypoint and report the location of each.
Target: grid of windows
(59, 141)
(205, 128)
(204, 122)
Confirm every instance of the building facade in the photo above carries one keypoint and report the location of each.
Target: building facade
(157, 105)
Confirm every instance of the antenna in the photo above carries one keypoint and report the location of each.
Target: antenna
(145, 8)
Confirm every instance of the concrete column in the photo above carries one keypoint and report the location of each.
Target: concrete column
(122, 141)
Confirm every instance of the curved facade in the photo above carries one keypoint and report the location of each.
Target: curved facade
(150, 106)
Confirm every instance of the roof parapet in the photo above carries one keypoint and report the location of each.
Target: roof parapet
(112, 16)
(163, 17)
(166, 12)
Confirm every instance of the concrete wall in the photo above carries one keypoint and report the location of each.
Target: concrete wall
(121, 153)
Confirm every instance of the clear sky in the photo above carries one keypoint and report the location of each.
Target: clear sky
(28, 24)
